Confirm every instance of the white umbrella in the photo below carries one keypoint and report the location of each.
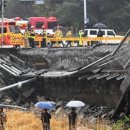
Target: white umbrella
(75, 103)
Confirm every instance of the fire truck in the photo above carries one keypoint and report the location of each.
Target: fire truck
(22, 25)
(38, 22)
(11, 36)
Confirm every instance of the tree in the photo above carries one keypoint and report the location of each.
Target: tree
(113, 13)
(70, 15)
(16, 8)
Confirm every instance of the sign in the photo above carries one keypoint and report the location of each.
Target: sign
(39, 2)
(26, 0)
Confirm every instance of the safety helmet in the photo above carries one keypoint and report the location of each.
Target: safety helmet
(58, 27)
(32, 26)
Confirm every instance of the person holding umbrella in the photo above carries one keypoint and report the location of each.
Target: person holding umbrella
(73, 115)
(72, 119)
(45, 117)
(99, 33)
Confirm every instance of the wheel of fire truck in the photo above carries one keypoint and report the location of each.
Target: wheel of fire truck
(48, 44)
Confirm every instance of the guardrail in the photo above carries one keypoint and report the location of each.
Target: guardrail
(19, 39)
(84, 41)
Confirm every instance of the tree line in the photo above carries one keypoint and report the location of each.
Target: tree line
(114, 13)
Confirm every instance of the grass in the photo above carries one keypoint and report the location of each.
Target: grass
(21, 120)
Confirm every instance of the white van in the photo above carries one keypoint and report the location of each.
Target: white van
(106, 33)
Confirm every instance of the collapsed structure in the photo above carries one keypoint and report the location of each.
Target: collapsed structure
(98, 75)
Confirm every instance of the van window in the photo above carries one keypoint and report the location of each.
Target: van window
(4, 30)
(39, 24)
(110, 33)
(103, 32)
(93, 32)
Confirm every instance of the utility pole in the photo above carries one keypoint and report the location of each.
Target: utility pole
(86, 20)
(2, 22)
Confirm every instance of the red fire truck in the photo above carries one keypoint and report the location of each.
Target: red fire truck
(38, 22)
(11, 36)
(22, 25)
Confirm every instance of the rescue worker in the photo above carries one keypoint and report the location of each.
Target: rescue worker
(44, 35)
(81, 34)
(31, 38)
(68, 35)
(26, 36)
(59, 34)
(3, 119)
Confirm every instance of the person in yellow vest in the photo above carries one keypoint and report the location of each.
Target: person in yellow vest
(44, 35)
(26, 36)
(31, 38)
(59, 34)
(81, 33)
(69, 35)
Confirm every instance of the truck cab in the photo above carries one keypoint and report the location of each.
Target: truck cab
(12, 36)
(38, 22)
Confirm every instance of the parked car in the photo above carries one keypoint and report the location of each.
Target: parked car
(106, 33)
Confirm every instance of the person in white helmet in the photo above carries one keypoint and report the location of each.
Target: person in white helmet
(32, 36)
(44, 35)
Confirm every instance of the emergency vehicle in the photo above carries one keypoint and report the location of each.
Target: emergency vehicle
(39, 22)
(11, 36)
(22, 25)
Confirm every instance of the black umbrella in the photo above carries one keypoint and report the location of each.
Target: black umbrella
(60, 27)
(99, 25)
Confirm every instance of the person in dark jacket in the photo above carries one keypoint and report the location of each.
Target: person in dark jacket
(100, 33)
(31, 38)
(45, 117)
(72, 119)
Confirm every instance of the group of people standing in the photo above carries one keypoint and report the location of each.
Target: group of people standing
(46, 116)
(30, 36)
(45, 119)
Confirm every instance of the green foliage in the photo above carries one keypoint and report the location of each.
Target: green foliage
(114, 13)
(123, 124)
(66, 14)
